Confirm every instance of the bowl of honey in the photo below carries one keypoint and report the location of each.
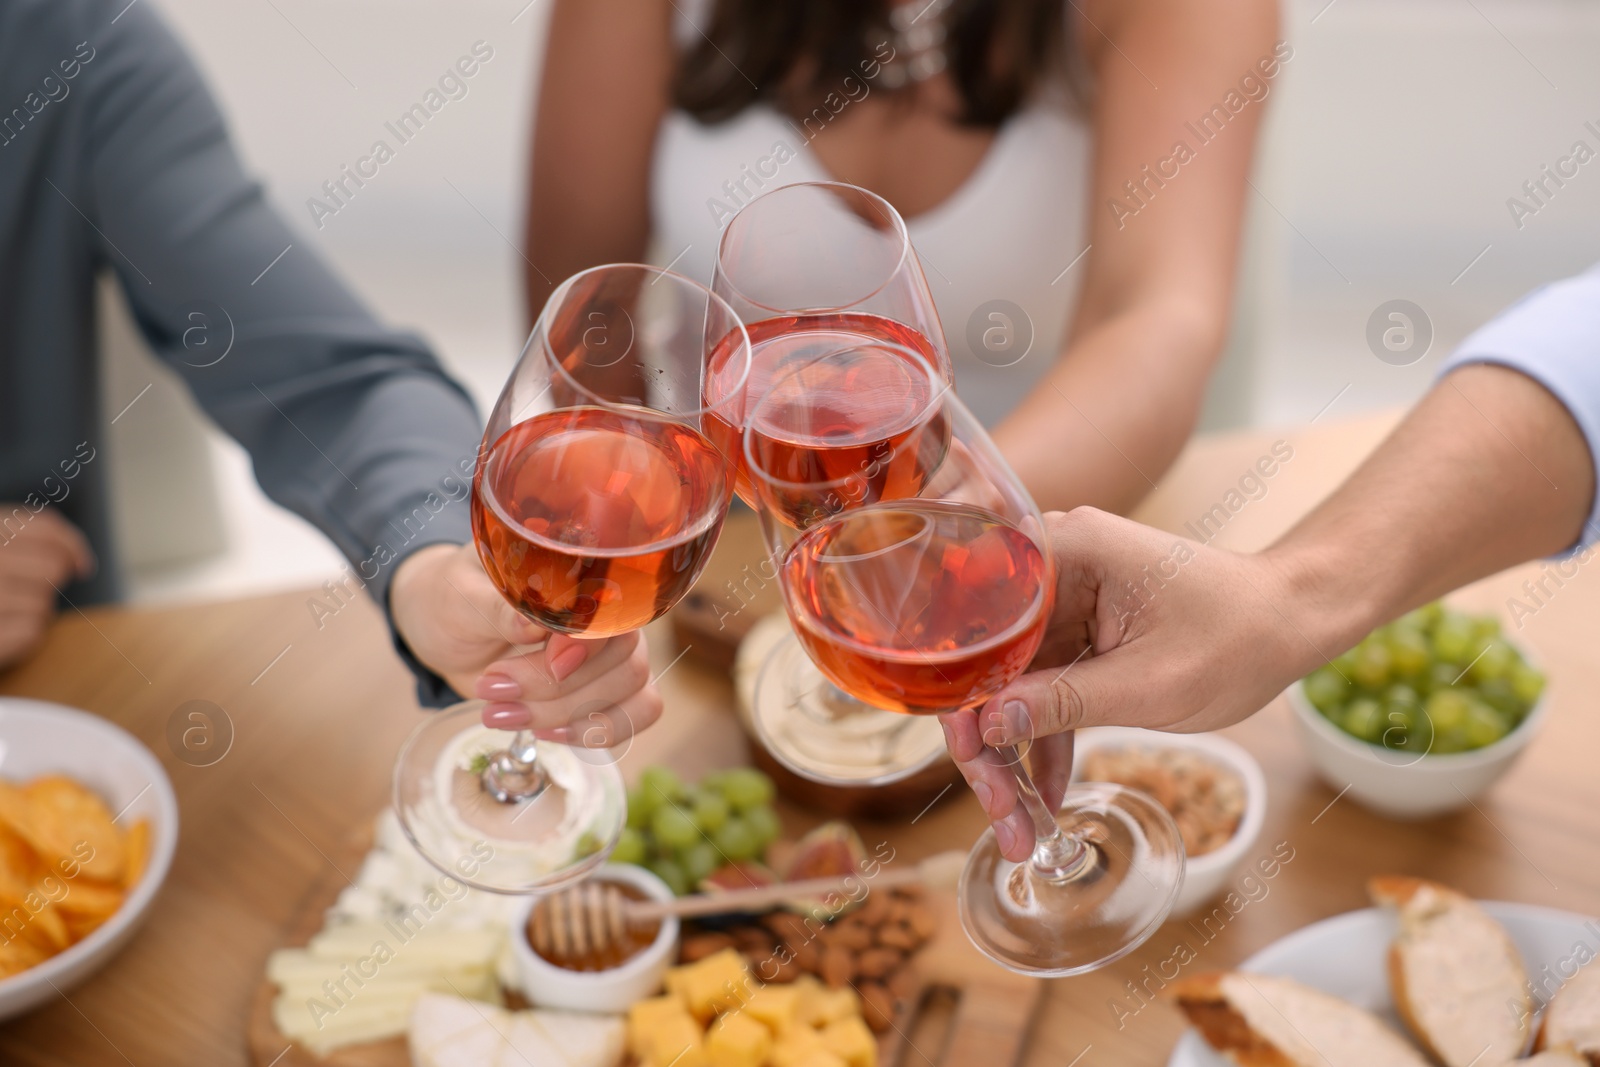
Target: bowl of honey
(592, 978)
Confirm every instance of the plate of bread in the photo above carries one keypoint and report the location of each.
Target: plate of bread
(1427, 976)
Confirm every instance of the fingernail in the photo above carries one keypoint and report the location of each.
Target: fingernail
(506, 716)
(949, 738)
(1016, 723)
(560, 735)
(498, 687)
(984, 794)
(568, 660)
(1004, 837)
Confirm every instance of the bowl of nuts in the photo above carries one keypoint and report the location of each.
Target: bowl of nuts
(1213, 789)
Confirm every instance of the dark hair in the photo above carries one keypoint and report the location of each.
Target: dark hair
(793, 52)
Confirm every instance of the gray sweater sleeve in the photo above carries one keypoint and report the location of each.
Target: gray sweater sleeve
(351, 425)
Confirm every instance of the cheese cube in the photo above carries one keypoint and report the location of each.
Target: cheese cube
(796, 1048)
(818, 1058)
(776, 1007)
(737, 1041)
(851, 1041)
(715, 984)
(645, 1016)
(820, 1006)
(675, 1039)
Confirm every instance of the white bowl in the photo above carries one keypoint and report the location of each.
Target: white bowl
(1398, 784)
(42, 738)
(549, 986)
(1204, 877)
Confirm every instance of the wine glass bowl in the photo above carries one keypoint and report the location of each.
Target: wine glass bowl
(596, 502)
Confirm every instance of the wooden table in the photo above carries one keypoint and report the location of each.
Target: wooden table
(319, 713)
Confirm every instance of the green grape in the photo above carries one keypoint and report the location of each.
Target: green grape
(661, 784)
(1424, 618)
(641, 807)
(1402, 695)
(736, 840)
(1487, 627)
(1484, 725)
(1442, 676)
(671, 873)
(674, 828)
(710, 811)
(1364, 719)
(713, 780)
(1408, 651)
(1344, 663)
(1325, 689)
(1499, 695)
(1399, 728)
(630, 847)
(747, 788)
(1527, 682)
(1493, 662)
(1447, 709)
(1455, 639)
(763, 822)
(699, 860)
(586, 845)
(1372, 665)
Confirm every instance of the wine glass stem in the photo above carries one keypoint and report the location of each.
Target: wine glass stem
(514, 775)
(1057, 855)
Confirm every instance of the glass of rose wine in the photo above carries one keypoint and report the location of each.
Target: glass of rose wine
(934, 600)
(596, 501)
(811, 268)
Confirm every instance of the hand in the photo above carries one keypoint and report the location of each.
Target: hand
(1149, 629)
(570, 690)
(37, 560)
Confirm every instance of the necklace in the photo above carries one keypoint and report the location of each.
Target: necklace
(917, 34)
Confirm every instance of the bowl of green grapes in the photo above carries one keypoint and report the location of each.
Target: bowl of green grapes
(1424, 714)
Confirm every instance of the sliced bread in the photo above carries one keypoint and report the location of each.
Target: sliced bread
(1572, 1021)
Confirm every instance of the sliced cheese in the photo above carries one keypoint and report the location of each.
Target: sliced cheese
(1573, 1018)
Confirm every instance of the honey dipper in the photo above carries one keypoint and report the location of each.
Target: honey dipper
(589, 917)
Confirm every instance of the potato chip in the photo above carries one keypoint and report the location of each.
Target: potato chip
(88, 897)
(138, 841)
(66, 817)
(46, 928)
(20, 867)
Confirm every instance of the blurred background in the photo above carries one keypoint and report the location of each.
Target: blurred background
(1397, 134)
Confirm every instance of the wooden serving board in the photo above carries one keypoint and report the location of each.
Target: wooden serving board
(964, 1010)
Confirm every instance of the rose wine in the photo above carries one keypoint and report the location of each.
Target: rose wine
(595, 521)
(782, 344)
(918, 606)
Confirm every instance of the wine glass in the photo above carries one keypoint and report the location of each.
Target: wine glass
(595, 504)
(810, 267)
(934, 600)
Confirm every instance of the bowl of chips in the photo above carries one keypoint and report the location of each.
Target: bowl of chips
(88, 826)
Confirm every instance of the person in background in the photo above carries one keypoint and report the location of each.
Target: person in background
(1084, 161)
(1495, 466)
(114, 156)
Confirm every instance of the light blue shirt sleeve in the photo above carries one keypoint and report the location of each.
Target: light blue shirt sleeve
(1553, 336)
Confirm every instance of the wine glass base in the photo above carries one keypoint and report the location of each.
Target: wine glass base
(824, 734)
(1096, 911)
(554, 837)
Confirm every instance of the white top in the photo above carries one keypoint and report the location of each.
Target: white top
(1553, 336)
(1009, 233)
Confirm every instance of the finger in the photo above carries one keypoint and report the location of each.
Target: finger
(486, 612)
(619, 672)
(67, 541)
(1095, 691)
(529, 677)
(961, 734)
(19, 636)
(566, 653)
(1050, 760)
(607, 726)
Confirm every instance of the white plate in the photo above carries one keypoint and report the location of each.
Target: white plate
(1345, 956)
(37, 738)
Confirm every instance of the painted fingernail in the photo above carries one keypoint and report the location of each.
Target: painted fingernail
(560, 735)
(506, 716)
(498, 687)
(568, 660)
(1004, 837)
(984, 794)
(1015, 721)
